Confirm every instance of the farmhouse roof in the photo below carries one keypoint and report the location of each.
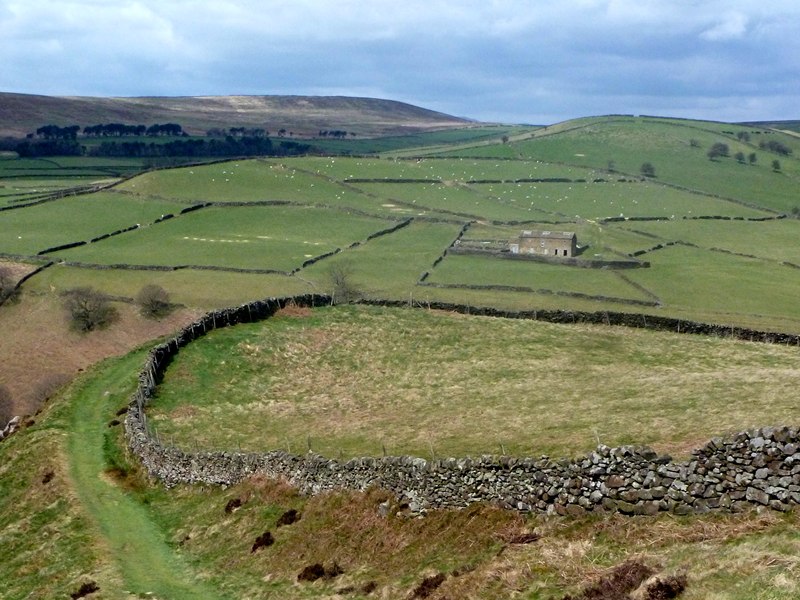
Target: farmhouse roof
(553, 235)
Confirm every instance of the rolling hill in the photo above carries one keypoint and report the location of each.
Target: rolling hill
(304, 115)
(711, 239)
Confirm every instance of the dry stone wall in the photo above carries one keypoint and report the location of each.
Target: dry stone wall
(757, 467)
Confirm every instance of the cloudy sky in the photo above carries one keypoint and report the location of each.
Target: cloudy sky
(521, 61)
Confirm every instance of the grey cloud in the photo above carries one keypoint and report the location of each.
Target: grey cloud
(517, 60)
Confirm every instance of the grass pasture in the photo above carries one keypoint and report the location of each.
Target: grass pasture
(447, 201)
(28, 230)
(23, 178)
(235, 181)
(200, 289)
(602, 200)
(85, 522)
(625, 143)
(774, 240)
(410, 251)
(278, 238)
(477, 270)
(722, 288)
(354, 380)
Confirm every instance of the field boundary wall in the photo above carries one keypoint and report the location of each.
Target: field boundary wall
(760, 467)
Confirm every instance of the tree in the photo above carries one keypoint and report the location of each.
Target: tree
(739, 156)
(775, 146)
(343, 289)
(88, 309)
(47, 386)
(776, 165)
(752, 158)
(718, 149)
(648, 170)
(153, 301)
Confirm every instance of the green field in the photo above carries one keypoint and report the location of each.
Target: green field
(278, 238)
(30, 230)
(572, 176)
(543, 278)
(625, 143)
(355, 380)
(769, 240)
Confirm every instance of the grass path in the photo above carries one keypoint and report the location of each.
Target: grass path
(147, 565)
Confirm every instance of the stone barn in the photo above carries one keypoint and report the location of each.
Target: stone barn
(545, 243)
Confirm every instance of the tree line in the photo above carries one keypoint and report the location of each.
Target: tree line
(335, 133)
(54, 132)
(228, 147)
(237, 132)
(52, 140)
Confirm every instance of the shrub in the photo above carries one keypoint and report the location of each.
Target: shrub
(343, 289)
(47, 386)
(8, 288)
(153, 301)
(88, 309)
(718, 149)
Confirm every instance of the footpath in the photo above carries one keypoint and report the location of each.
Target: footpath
(146, 563)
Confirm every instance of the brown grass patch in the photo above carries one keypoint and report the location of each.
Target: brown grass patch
(359, 380)
(292, 310)
(38, 344)
(185, 411)
(263, 541)
(428, 585)
(618, 584)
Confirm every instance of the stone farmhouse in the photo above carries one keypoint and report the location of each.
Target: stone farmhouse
(545, 243)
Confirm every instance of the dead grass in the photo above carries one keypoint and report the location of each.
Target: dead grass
(354, 381)
(39, 346)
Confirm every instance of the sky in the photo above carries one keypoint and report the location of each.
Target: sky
(512, 61)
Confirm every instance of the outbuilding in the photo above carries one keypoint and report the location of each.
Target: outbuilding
(545, 243)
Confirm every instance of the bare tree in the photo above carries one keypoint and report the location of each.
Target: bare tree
(47, 386)
(6, 405)
(153, 301)
(343, 288)
(8, 285)
(88, 309)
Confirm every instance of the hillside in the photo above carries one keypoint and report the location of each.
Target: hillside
(304, 115)
(422, 223)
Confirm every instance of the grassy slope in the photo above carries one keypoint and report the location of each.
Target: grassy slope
(147, 565)
(731, 557)
(357, 381)
(83, 526)
(65, 522)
